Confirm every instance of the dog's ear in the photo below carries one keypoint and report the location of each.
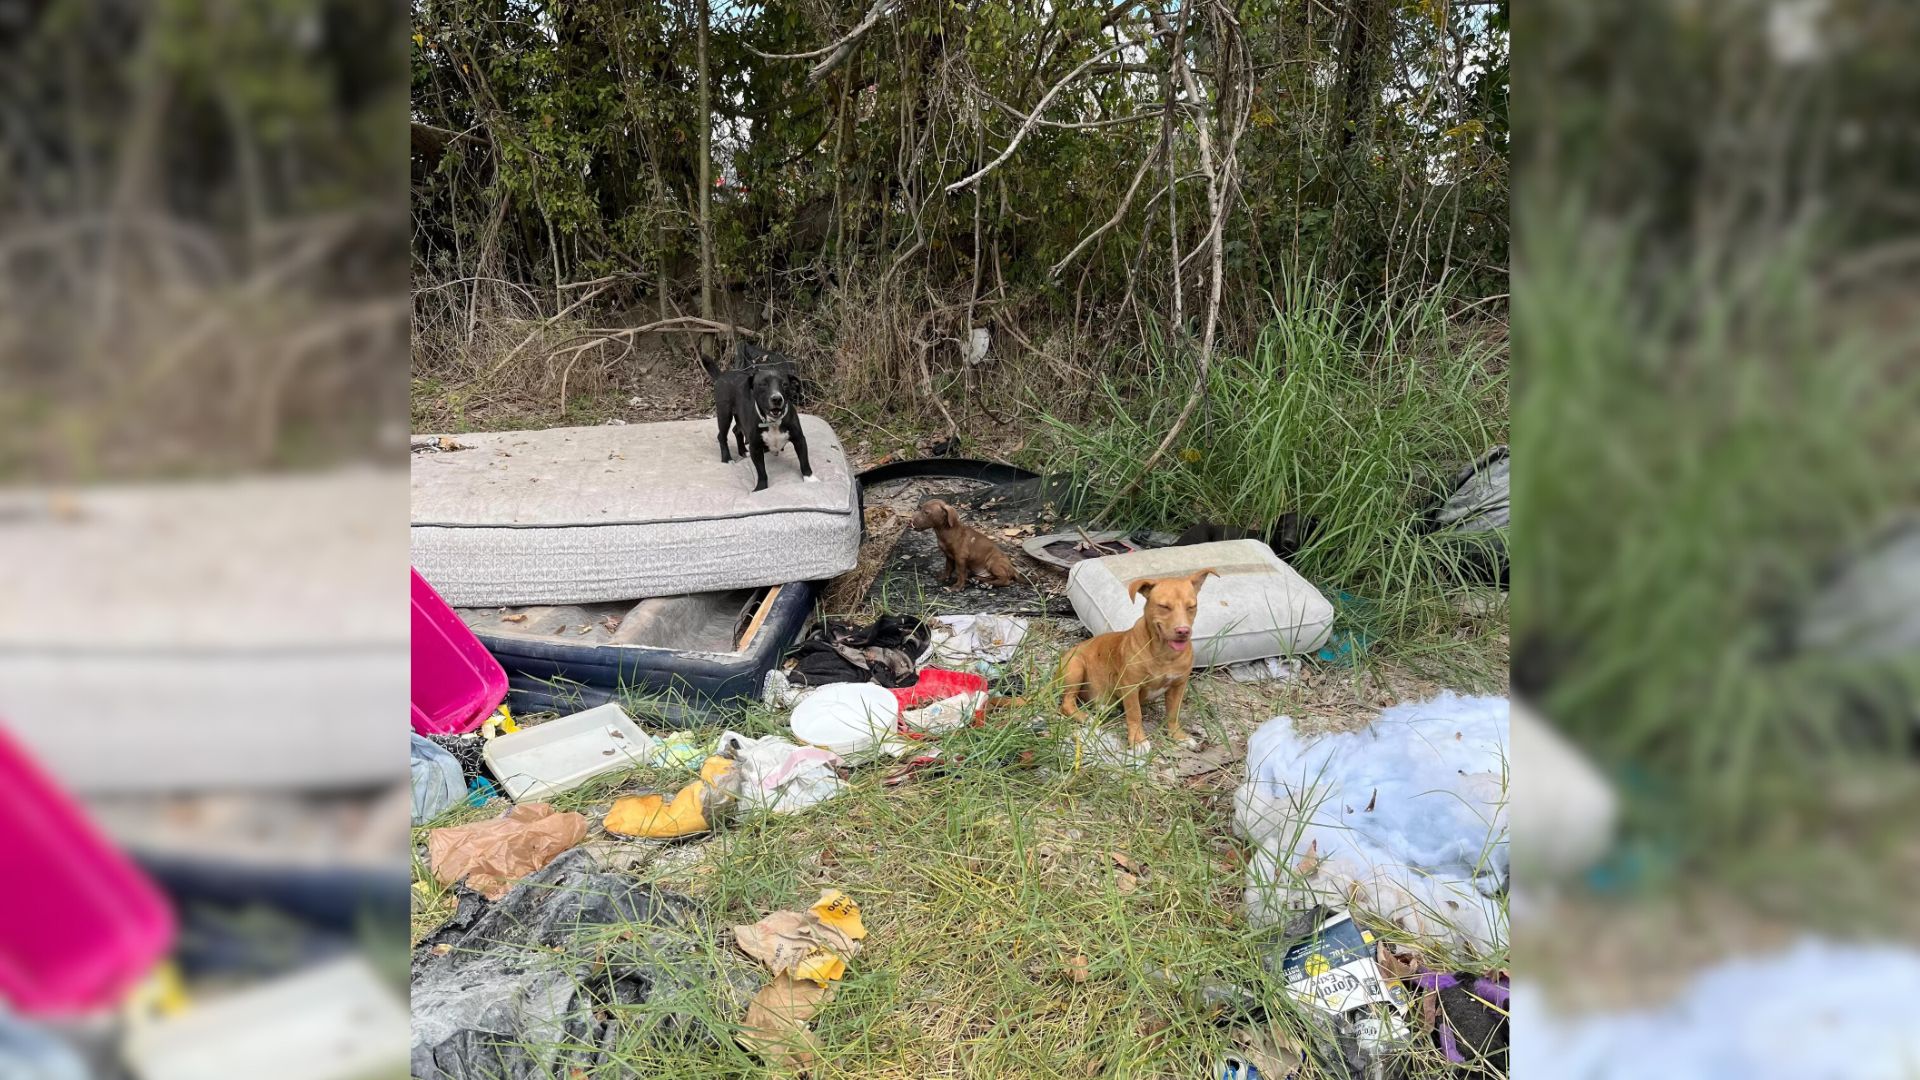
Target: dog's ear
(952, 515)
(1140, 585)
(1199, 576)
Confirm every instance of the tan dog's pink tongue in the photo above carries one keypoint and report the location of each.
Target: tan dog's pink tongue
(1178, 646)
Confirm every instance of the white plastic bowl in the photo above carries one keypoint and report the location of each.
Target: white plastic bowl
(846, 718)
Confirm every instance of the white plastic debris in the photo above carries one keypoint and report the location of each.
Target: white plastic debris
(1570, 810)
(1406, 819)
(775, 775)
(960, 641)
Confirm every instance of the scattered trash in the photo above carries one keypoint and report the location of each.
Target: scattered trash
(1478, 510)
(489, 856)
(887, 651)
(335, 1022)
(777, 1018)
(1817, 1009)
(774, 775)
(1336, 970)
(813, 944)
(437, 780)
(514, 991)
(1077, 969)
(560, 755)
(1098, 746)
(482, 791)
(947, 714)
(28, 1053)
(848, 718)
(938, 684)
(690, 812)
(961, 641)
(1468, 1014)
(1261, 1053)
(1062, 550)
(679, 749)
(1432, 853)
(778, 692)
(1268, 669)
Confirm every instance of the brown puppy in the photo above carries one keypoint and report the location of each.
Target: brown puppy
(1152, 658)
(967, 549)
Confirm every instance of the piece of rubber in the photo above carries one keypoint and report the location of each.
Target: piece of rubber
(991, 472)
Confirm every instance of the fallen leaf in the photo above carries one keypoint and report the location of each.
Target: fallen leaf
(1077, 969)
(522, 617)
(1309, 862)
(1121, 860)
(442, 949)
(1372, 801)
(1127, 883)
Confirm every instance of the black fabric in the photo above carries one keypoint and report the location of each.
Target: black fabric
(885, 651)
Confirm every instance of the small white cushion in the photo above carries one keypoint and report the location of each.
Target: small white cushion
(1257, 607)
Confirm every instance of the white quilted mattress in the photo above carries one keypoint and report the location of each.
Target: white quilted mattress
(593, 514)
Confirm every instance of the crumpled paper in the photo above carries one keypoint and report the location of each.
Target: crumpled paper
(811, 944)
(777, 1018)
(806, 951)
(491, 855)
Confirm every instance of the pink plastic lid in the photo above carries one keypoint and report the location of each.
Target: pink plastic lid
(80, 925)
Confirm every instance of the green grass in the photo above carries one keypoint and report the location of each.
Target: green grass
(979, 882)
(1703, 440)
(1355, 416)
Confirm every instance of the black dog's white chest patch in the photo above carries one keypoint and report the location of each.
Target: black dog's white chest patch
(774, 436)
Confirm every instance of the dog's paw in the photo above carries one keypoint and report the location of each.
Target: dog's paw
(1190, 743)
(812, 479)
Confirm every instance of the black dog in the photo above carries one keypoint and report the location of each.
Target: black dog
(755, 399)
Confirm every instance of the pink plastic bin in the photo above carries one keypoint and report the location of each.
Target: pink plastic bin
(80, 925)
(456, 682)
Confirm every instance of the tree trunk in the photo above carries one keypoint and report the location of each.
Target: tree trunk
(706, 172)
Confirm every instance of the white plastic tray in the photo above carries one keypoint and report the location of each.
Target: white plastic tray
(562, 754)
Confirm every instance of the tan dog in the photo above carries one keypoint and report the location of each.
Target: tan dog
(1154, 657)
(967, 549)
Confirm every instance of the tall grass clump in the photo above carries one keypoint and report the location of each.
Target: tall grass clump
(1355, 417)
(1709, 436)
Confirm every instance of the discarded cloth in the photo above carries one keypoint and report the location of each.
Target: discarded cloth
(526, 988)
(1817, 1009)
(438, 782)
(1406, 819)
(690, 812)
(887, 651)
(774, 775)
(489, 856)
(961, 641)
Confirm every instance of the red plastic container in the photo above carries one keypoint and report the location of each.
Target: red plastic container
(457, 683)
(938, 684)
(80, 925)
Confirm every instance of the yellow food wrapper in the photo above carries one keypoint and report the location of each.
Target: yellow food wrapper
(821, 967)
(837, 909)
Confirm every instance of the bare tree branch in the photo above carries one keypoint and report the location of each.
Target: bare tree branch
(1021, 134)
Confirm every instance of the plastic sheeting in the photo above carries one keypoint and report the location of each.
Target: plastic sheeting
(1406, 819)
(1817, 1010)
(538, 985)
